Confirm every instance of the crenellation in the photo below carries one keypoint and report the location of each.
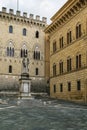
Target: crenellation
(11, 11)
(4, 9)
(18, 13)
(37, 17)
(44, 19)
(24, 14)
(31, 16)
(22, 18)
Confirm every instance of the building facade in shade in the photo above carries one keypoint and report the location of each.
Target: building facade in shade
(21, 36)
(68, 51)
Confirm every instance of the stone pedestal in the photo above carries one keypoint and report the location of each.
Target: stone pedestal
(25, 86)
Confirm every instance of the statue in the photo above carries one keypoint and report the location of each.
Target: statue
(25, 81)
(25, 64)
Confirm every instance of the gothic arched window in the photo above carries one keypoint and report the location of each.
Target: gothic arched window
(37, 53)
(10, 50)
(24, 51)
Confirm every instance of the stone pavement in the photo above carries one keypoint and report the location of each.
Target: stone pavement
(43, 115)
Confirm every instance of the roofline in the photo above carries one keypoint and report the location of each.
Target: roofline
(60, 12)
(62, 9)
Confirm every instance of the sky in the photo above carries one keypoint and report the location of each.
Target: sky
(43, 8)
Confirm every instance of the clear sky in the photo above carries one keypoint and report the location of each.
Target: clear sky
(44, 8)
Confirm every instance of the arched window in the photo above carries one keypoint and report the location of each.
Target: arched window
(37, 34)
(10, 50)
(78, 31)
(37, 53)
(24, 51)
(24, 31)
(10, 29)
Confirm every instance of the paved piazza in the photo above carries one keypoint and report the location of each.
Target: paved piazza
(43, 115)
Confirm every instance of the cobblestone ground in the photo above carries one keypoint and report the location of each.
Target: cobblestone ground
(43, 115)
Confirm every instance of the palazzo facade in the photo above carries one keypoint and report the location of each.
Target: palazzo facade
(67, 36)
(21, 35)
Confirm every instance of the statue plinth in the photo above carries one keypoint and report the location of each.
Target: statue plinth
(25, 86)
(25, 76)
(25, 81)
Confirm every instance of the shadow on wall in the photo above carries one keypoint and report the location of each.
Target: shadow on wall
(39, 86)
(10, 86)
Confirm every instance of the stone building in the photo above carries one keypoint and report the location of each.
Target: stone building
(68, 51)
(21, 35)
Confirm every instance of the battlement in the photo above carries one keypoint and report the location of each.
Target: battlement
(25, 15)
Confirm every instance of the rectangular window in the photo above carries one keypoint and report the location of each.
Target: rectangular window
(61, 67)
(69, 37)
(69, 86)
(36, 71)
(61, 87)
(10, 29)
(78, 61)
(78, 31)
(78, 85)
(69, 67)
(54, 70)
(54, 46)
(24, 31)
(54, 88)
(10, 69)
(61, 42)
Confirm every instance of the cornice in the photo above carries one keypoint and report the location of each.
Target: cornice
(68, 11)
(63, 9)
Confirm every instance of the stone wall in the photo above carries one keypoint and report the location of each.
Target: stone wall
(65, 20)
(17, 40)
